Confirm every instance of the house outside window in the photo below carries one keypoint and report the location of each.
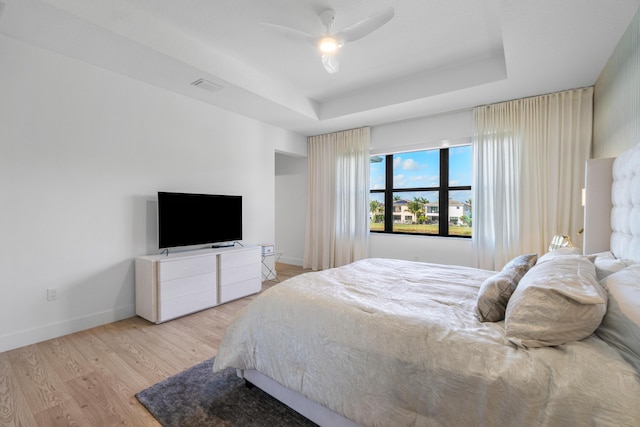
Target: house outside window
(416, 184)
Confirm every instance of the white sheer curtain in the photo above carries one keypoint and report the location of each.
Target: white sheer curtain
(529, 157)
(337, 230)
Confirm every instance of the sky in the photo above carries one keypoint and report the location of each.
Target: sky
(422, 169)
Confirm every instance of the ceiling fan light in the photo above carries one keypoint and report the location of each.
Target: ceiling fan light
(328, 45)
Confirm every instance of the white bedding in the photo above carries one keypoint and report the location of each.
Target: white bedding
(389, 342)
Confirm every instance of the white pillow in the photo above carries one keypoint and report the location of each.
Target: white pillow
(556, 301)
(495, 292)
(607, 264)
(621, 325)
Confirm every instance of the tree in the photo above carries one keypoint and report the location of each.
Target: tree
(422, 200)
(422, 214)
(416, 208)
(374, 208)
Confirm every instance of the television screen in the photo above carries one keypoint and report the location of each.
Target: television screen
(194, 219)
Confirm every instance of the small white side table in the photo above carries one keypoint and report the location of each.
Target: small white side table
(271, 271)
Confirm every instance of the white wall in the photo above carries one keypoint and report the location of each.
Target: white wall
(291, 207)
(83, 152)
(421, 133)
(427, 132)
(616, 97)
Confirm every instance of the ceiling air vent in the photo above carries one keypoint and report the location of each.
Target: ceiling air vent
(207, 85)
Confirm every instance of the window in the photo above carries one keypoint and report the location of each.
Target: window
(415, 184)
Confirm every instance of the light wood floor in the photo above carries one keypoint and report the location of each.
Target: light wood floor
(90, 378)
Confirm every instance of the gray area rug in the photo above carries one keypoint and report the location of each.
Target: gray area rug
(198, 397)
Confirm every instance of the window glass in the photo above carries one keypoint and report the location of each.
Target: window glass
(376, 211)
(460, 166)
(415, 189)
(460, 213)
(416, 169)
(414, 212)
(377, 172)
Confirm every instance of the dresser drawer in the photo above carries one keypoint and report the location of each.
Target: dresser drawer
(239, 258)
(170, 289)
(240, 289)
(186, 304)
(229, 276)
(186, 267)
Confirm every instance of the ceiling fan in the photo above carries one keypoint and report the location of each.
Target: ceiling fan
(330, 43)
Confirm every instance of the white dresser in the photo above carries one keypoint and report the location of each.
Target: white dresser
(170, 286)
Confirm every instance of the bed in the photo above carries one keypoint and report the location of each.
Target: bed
(548, 341)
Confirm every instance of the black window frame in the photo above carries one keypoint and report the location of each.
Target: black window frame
(443, 196)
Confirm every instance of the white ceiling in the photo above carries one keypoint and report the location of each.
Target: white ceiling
(434, 56)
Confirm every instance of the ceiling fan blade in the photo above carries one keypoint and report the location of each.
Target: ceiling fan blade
(366, 26)
(330, 63)
(290, 32)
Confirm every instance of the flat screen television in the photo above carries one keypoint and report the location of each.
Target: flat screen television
(186, 219)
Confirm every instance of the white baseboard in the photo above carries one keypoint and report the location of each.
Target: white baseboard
(290, 261)
(58, 329)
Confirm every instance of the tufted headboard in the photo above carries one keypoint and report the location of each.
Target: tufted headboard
(625, 214)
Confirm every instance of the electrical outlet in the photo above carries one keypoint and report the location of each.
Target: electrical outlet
(52, 294)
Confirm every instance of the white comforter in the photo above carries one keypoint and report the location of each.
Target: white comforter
(392, 343)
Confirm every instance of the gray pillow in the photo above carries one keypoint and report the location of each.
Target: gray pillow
(557, 301)
(496, 290)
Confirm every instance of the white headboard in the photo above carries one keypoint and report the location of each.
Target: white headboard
(625, 214)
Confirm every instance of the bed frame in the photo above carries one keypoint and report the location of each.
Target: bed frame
(304, 406)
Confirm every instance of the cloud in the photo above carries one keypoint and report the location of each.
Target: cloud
(428, 181)
(406, 165)
(410, 165)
